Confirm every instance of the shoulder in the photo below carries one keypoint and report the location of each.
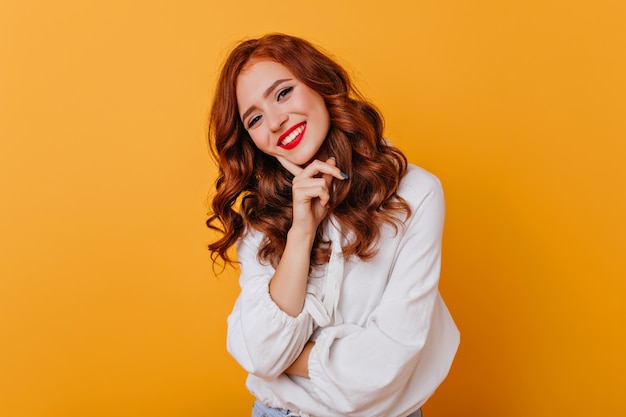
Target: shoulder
(418, 185)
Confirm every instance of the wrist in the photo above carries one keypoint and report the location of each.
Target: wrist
(298, 235)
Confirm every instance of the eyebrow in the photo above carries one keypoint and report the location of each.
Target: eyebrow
(267, 92)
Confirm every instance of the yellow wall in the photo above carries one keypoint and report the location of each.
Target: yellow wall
(108, 306)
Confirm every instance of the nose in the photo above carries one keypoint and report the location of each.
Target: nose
(276, 120)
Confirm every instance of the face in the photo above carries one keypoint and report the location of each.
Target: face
(283, 116)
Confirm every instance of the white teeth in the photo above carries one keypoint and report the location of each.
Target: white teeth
(292, 136)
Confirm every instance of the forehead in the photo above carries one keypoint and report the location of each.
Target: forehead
(256, 77)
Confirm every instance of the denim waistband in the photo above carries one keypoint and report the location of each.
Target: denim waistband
(259, 410)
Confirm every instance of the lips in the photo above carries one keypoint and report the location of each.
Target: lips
(292, 137)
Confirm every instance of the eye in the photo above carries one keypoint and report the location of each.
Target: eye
(284, 92)
(253, 121)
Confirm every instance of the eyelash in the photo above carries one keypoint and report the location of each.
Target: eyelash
(253, 121)
(284, 92)
(281, 94)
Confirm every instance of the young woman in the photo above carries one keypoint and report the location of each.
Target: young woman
(338, 241)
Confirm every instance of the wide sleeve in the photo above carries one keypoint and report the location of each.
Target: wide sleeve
(363, 370)
(261, 337)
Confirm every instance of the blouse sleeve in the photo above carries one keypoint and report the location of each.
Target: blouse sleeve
(261, 337)
(363, 370)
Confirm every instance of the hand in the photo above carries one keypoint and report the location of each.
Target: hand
(311, 192)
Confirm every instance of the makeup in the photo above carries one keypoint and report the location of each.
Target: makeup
(292, 137)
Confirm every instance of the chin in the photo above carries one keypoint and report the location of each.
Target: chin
(303, 160)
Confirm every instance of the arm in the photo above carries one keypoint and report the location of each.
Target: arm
(261, 337)
(288, 285)
(300, 367)
(311, 194)
(267, 329)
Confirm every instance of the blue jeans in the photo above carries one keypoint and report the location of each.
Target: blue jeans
(259, 410)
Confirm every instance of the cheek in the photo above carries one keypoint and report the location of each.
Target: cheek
(258, 139)
(320, 107)
(254, 136)
(323, 114)
(309, 102)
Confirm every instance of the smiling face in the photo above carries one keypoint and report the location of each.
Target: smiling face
(283, 116)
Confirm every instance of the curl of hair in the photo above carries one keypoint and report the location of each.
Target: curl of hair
(254, 190)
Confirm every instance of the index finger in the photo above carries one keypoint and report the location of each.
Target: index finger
(289, 166)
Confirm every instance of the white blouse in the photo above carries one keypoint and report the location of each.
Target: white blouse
(384, 337)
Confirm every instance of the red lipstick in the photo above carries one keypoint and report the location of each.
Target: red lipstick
(294, 135)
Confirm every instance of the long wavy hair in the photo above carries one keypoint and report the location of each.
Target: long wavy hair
(254, 191)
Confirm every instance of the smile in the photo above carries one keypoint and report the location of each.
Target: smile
(292, 137)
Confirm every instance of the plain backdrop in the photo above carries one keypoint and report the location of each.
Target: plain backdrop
(108, 302)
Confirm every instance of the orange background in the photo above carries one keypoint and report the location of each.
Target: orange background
(108, 304)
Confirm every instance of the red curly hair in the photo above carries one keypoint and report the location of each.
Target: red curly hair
(254, 190)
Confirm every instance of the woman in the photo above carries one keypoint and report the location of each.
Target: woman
(338, 240)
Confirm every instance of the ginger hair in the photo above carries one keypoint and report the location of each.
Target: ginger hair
(254, 191)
